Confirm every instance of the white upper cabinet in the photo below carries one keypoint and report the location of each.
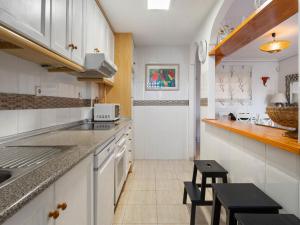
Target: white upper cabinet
(30, 18)
(111, 45)
(61, 29)
(91, 22)
(78, 31)
(67, 29)
(99, 37)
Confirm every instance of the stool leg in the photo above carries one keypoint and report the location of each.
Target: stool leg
(213, 180)
(216, 211)
(203, 188)
(184, 196)
(194, 174)
(230, 218)
(193, 214)
(225, 179)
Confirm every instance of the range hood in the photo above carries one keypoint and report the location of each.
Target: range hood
(98, 66)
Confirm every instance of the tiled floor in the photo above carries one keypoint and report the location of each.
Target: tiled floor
(153, 195)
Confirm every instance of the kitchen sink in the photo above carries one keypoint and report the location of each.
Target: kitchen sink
(4, 175)
(19, 160)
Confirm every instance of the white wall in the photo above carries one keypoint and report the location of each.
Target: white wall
(161, 132)
(260, 94)
(21, 77)
(286, 67)
(161, 55)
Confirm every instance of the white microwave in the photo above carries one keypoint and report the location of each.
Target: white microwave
(106, 112)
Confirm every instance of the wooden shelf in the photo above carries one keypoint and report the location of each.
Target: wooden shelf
(22, 47)
(269, 15)
(266, 135)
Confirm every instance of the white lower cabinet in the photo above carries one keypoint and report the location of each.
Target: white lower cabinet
(36, 211)
(75, 189)
(70, 199)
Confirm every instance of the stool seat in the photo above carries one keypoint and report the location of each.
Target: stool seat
(240, 198)
(267, 219)
(245, 195)
(210, 167)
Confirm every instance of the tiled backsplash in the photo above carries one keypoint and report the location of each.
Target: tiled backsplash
(20, 101)
(22, 111)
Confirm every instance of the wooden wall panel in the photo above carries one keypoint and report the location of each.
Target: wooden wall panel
(121, 91)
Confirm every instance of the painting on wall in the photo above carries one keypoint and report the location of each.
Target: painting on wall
(162, 77)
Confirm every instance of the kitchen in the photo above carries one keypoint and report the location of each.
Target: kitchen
(106, 104)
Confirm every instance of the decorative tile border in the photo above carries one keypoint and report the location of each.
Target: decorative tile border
(21, 101)
(203, 101)
(160, 102)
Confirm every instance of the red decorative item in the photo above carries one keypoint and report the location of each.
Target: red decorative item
(264, 80)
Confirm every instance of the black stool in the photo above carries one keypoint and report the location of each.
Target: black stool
(267, 219)
(240, 198)
(208, 169)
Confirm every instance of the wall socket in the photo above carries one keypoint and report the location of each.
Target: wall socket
(38, 91)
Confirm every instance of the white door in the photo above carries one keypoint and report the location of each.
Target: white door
(61, 27)
(78, 30)
(36, 212)
(104, 189)
(30, 18)
(75, 189)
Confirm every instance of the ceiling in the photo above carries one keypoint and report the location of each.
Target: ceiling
(287, 30)
(178, 26)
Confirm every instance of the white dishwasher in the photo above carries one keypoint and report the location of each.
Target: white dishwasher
(104, 183)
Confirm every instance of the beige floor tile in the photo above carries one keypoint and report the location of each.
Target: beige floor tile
(142, 198)
(140, 214)
(119, 215)
(168, 184)
(166, 175)
(141, 184)
(172, 214)
(169, 197)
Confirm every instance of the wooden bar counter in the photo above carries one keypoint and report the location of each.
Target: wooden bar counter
(266, 135)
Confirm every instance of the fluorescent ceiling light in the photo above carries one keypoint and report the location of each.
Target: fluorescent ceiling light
(159, 4)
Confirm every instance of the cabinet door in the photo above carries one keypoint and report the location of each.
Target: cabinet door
(61, 27)
(111, 45)
(102, 32)
(75, 189)
(78, 30)
(36, 211)
(30, 18)
(91, 24)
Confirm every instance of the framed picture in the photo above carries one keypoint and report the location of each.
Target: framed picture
(162, 77)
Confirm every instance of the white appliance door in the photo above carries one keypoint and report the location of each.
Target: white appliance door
(120, 172)
(104, 207)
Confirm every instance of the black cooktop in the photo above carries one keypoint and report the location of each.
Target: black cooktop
(95, 126)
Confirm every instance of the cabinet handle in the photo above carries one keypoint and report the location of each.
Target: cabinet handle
(96, 50)
(71, 46)
(62, 206)
(75, 47)
(54, 214)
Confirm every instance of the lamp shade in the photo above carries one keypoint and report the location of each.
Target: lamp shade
(279, 98)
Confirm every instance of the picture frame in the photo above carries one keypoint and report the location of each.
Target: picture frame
(162, 77)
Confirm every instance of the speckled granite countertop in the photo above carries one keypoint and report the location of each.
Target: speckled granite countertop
(20, 191)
